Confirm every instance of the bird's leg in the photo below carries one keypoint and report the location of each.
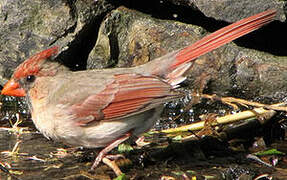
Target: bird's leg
(107, 149)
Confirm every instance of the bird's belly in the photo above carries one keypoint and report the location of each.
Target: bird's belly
(98, 134)
(102, 133)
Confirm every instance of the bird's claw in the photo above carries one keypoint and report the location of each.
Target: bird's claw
(109, 160)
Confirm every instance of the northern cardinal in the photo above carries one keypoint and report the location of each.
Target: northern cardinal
(104, 107)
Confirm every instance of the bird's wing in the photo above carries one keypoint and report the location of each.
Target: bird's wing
(125, 95)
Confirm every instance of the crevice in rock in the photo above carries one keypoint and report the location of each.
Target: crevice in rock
(76, 55)
(114, 51)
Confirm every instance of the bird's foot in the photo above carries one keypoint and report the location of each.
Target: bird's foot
(109, 159)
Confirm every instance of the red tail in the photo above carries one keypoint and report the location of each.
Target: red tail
(173, 65)
(223, 36)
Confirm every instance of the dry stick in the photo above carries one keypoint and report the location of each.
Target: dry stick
(254, 113)
(276, 107)
(224, 120)
(112, 165)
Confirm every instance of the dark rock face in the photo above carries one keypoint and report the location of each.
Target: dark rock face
(91, 35)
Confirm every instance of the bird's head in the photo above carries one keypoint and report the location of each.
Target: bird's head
(27, 72)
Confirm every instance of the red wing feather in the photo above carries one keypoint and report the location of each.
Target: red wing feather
(122, 108)
(126, 95)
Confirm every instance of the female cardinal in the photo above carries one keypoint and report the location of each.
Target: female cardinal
(103, 108)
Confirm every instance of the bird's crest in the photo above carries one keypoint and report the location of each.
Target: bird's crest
(31, 66)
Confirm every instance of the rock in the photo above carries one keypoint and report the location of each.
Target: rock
(29, 26)
(129, 38)
(233, 10)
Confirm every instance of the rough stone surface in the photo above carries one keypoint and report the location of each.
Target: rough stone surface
(29, 26)
(129, 38)
(233, 10)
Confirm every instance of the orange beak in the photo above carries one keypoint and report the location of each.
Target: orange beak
(12, 88)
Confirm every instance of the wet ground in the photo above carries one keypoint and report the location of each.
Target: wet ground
(26, 154)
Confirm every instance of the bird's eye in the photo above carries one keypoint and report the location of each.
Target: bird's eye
(30, 78)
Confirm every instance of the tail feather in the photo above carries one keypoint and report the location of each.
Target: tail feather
(176, 76)
(223, 36)
(172, 66)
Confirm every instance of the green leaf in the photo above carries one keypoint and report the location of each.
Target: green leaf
(191, 172)
(209, 177)
(269, 152)
(178, 173)
(177, 138)
(125, 148)
(121, 177)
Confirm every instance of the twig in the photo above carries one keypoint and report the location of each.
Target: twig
(249, 114)
(230, 100)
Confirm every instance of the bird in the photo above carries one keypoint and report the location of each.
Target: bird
(101, 108)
